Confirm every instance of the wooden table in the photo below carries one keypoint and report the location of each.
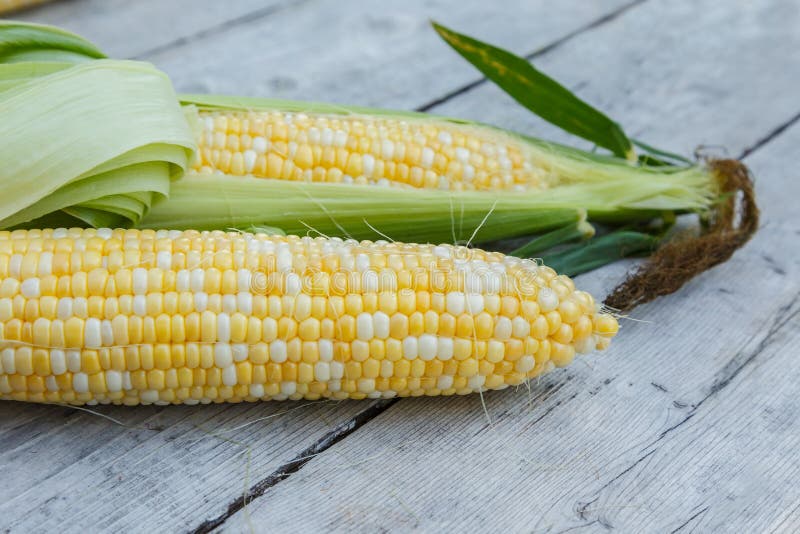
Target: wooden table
(691, 422)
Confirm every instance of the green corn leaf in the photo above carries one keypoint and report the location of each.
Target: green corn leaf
(601, 251)
(541, 94)
(577, 231)
(24, 41)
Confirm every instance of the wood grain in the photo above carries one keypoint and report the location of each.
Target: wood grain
(689, 423)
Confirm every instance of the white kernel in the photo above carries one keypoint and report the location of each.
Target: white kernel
(387, 369)
(475, 303)
(73, 360)
(58, 362)
(456, 303)
(250, 157)
(80, 382)
(15, 265)
(197, 280)
(244, 278)
(362, 262)
(200, 301)
(325, 347)
(257, 390)
(476, 382)
(313, 136)
(366, 385)
(51, 384)
(105, 233)
(444, 348)
(322, 371)
(444, 382)
(462, 154)
(260, 145)
(427, 157)
(337, 370)
(326, 139)
(445, 138)
(520, 328)
(387, 149)
(164, 260)
(182, 281)
(381, 325)
(277, 351)
(229, 375)
(139, 305)
(139, 281)
(64, 309)
(288, 388)
(525, 364)
(547, 299)
(340, 138)
(239, 351)
(92, 335)
(148, 396)
(410, 348)
(244, 303)
(8, 361)
(293, 284)
(441, 252)
(468, 173)
(364, 326)
(45, 266)
(223, 356)
(502, 329)
(368, 164)
(30, 288)
(229, 303)
(427, 346)
(114, 381)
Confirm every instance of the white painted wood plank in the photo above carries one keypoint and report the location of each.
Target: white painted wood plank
(97, 474)
(168, 469)
(348, 51)
(435, 463)
(123, 29)
(677, 74)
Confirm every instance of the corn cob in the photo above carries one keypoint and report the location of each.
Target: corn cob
(138, 317)
(365, 149)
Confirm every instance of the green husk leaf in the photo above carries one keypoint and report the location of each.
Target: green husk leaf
(540, 94)
(24, 41)
(601, 251)
(359, 211)
(84, 131)
(578, 231)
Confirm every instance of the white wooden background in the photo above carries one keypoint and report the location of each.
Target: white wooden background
(691, 422)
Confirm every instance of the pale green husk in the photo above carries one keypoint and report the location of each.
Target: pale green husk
(86, 141)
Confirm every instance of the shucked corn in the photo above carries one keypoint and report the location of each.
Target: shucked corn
(364, 149)
(127, 317)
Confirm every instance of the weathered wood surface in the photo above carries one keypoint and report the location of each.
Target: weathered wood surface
(689, 423)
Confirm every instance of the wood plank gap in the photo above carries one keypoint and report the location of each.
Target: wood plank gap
(220, 28)
(770, 136)
(296, 464)
(608, 17)
(735, 368)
